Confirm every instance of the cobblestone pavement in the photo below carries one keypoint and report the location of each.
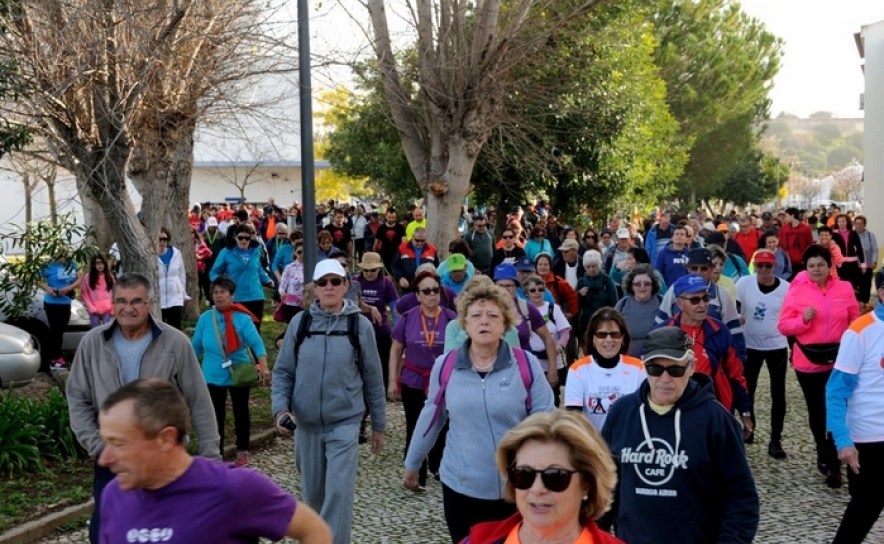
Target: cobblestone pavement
(796, 506)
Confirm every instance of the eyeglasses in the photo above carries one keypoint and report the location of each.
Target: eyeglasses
(243, 238)
(601, 335)
(431, 291)
(536, 290)
(655, 370)
(642, 284)
(698, 268)
(135, 303)
(299, 252)
(507, 285)
(763, 265)
(507, 237)
(418, 240)
(336, 282)
(697, 299)
(554, 479)
(163, 239)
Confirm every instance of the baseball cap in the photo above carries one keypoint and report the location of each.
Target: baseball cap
(328, 266)
(765, 256)
(456, 262)
(692, 283)
(623, 233)
(700, 257)
(709, 225)
(766, 216)
(211, 222)
(568, 245)
(524, 264)
(506, 271)
(666, 343)
(722, 227)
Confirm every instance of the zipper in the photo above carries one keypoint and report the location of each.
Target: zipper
(490, 428)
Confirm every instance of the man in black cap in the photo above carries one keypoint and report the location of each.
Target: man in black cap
(767, 223)
(678, 451)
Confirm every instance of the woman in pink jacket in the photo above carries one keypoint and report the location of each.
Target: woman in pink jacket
(97, 288)
(817, 310)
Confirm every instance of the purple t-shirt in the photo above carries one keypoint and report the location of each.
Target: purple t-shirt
(378, 293)
(409, 301)
(409, 331)
(211, 502)
(536, 319)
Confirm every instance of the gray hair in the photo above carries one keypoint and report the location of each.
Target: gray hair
(418, 230)
(533, 279)
(592, 257)
(132, 280)
(639, 270)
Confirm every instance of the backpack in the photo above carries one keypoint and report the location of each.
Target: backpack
(448, 367)
(352, 333)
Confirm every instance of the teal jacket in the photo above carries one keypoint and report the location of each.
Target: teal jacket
(205, 344)
(248, 275)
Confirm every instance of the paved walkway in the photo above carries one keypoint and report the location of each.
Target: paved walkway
(796, 506)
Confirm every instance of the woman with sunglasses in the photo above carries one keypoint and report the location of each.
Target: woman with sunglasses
(818, 308)
(243, 265)
(486, 394)
(590, 241)
(97, 291)
(172, 279)
(574, 488)
(558, 325)
(639, 305)
(420, 335)
(682, 471)
(507, 252)
(291, 283)
(537, 243)
(606, 374)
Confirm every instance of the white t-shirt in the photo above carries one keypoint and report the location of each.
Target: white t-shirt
(556, 325)
(861, 354)
(762, 313)
(571, 274)
(595, 389)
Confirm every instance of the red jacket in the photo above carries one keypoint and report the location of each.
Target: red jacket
(495, 532)
(748, 242)
(561, 290)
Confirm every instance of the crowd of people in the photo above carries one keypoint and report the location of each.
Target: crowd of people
(650, 335)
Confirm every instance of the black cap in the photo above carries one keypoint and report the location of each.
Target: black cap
(766, 216)
(879, 279)
(700, 257)
(668, 343)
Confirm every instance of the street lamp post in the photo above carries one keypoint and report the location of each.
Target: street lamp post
(305, 100)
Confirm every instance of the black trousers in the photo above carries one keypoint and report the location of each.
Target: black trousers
(172, 316)
(865, 285)
(242, 420)
(58, 316)
(777, 362)
(866, 498)
(813, 385)
(412, 403)
(257, 308)
(853, 273)
(103, 476)
(290, 311)
(462, 512)
(205, 286)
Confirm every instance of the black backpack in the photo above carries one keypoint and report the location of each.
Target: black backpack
(352, 333)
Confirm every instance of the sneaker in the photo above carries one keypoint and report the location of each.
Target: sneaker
(58, 364)
(242, 458)
(833, 479)
(775, 450)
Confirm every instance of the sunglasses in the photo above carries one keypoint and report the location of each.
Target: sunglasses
(337, 282)
(763, 265)
(299, 252)
(508, 237)
(418, 241)
(697, 299)
(642, 284)
(431, 291)
(163, 239)
(601, 335)
(698, 268)
(243, 238)
(554, 479)
(536, 290)
(655, 370)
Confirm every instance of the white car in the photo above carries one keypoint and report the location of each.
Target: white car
(19, 358)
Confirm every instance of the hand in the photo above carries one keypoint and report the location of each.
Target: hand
(583, 291)
(375, 315)
(265, 377)
(850, 457)
(393, 392)
(411, 479)
(553, 378)
(377, 442)
(403, 283)
(808, 314)
(748, 426)
(280, 429)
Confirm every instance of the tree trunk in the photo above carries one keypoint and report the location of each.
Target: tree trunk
(93, 215)
(50, 193)
(29, 198)
(444, 207)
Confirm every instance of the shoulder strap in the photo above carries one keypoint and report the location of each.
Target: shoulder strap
(736, 263)
(526, 374)
(221, 344)
(303, 330)
(353, 334)
(522, 306)
(444, 377)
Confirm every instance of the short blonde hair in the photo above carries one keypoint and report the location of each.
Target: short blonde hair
(587, 451)
(486, 291)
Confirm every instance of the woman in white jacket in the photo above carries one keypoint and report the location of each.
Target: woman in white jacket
(172, 278)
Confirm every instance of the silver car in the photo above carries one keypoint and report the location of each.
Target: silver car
(19, 358)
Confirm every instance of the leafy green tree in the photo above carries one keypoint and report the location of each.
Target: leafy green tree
(754, 179)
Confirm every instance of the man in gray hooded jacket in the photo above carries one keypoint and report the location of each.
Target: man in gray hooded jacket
(324, 390)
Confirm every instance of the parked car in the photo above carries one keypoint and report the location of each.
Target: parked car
(19, 358)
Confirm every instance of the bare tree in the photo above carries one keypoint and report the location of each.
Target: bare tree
(805, 188)
(848, 185)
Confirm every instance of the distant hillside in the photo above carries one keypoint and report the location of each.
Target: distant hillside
(819, 145)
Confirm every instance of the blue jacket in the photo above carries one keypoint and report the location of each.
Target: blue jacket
(248, 275)
(282, 258)
(672, 263)
(205, 344)
(690, 460)
(652, 245)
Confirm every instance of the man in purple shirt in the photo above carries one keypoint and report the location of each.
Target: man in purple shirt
(163, 494)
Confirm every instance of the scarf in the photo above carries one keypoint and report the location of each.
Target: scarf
(231, 339)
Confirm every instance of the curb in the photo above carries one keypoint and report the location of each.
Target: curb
(46, 525)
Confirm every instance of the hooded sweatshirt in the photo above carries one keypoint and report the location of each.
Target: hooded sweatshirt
(323, 385)
(672, 263)
(682, 476)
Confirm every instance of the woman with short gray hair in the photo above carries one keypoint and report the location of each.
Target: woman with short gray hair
(640, 304)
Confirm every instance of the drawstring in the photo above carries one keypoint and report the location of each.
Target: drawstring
(647, 433)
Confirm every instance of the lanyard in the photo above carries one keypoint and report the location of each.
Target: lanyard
(430, 336)
(210, 237)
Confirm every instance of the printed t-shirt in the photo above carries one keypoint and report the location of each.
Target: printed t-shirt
(555, 325)
(762, 313)
(421, 346)
(378, 293)
(862, 355)
(595, 389)
(211, 502)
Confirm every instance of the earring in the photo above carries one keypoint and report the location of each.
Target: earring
(586, 497)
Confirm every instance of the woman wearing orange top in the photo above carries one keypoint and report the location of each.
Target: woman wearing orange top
(561, 290)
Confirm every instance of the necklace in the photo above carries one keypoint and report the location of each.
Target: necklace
(482, 368)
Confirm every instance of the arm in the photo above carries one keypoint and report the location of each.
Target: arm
(373, 380)
(612, 292)
(792, 321)
(574, 395)
(182, 277)
(395, 367)
(570, 296)
(839, 389)
(197, 341)
(81, 407)
(874, 253)
(541, 390)
(192, 384)
(550, 344)
(307, 527)
(87, 294)
(740, 505)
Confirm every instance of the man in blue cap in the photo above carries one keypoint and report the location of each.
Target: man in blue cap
(714, 348)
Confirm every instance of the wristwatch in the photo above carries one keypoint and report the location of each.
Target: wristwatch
(746, 414)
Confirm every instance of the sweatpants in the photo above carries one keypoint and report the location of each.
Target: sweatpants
(462, 512)
(777, 362)
(866, 498)
(327, 463)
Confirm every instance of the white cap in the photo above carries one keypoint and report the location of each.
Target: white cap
(211, 222)
(328, 266)
(623, 233)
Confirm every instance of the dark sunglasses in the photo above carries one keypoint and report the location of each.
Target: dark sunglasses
(163, 239)
(507, 237)
(431, 291)
(601, 335)
(697, 299)
(554, 479)
(655, 370)
(418, 240)
(337, 282)
(243, 238)
(642, 284)
(299, 252)
(698, 268)
(763, 265)
(536, 290)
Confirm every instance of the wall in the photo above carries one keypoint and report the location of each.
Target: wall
(873, 40)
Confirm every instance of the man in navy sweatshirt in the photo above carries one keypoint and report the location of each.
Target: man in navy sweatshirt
(682, 470)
